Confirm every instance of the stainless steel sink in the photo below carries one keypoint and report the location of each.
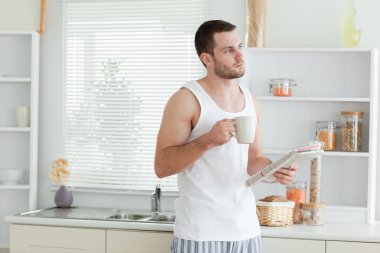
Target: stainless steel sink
(128, 216)
(102, 214)
(160, 217)
(157, 217)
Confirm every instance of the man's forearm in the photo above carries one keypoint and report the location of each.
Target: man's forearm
(174, 159)
(254, 165)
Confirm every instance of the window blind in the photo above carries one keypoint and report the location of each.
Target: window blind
(122, 62)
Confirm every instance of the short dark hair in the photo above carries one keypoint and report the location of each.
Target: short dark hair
(204, 37)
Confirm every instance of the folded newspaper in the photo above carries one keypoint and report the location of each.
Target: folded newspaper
(297, 155)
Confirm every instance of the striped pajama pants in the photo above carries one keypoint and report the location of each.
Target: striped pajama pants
(252, 245)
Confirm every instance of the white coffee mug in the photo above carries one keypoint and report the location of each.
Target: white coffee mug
(245, 129)
(23, 116)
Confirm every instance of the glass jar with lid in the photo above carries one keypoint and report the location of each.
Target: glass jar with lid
(281, 87)
(327, 134)
(313, 213)
(352, 128)
(296, 192)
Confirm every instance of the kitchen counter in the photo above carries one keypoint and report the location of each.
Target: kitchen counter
(329, 232)
(94, 218)
(86, 217)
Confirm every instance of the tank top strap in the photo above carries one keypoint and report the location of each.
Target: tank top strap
(197, 91)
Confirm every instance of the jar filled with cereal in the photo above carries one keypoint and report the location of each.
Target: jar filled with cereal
(327, 133)
(313, 213)
(351, 131)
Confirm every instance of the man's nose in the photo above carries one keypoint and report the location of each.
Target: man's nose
(239, 55)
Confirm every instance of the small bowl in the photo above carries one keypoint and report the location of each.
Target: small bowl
(10, 176)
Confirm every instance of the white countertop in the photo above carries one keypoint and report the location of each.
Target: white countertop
(328, 231)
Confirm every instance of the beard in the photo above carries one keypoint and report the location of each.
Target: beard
(227, 72)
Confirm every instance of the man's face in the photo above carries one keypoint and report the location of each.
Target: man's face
(228, 56)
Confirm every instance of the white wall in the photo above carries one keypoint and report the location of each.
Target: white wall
(19, 14)
(290, 23)
(318, 23)
(304, 23)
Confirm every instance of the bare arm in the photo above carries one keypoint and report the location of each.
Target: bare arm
(257, 160)
(173, 154)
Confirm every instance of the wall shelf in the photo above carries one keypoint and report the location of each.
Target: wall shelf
(14, 187)
(329, 81)
(15, 79)
(14, 129)
(326, 153)
(314, 99)
(19, 81)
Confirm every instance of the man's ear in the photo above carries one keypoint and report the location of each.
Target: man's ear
(206, 58)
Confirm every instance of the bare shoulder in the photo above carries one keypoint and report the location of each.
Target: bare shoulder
(183, 96)
(178, 118)
(183, 103)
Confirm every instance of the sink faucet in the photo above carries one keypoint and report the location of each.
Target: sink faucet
(156, 200)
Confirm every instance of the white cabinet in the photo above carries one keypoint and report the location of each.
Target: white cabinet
(19, 57)
(58, 239)
(50, 239)
(328, 81)
(352, 247)
(128, 241)
(45, 239)
(275, 245)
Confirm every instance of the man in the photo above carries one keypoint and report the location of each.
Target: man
(215, 212)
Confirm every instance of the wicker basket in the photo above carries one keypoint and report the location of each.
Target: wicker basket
(275, 214)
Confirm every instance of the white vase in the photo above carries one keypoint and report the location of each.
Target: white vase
(23, 116)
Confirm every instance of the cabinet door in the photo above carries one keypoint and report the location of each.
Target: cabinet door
(275, 245)
(44, 239)
(138, 241)
(352, 247)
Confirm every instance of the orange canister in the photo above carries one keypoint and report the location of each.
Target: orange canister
(281, 87)
(297, 193)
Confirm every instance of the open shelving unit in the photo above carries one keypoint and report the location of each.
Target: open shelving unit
(19, 68)
(329, 80)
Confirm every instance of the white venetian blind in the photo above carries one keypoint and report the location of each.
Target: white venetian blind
(123, 60)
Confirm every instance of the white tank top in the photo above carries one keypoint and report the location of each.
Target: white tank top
(214, 203)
